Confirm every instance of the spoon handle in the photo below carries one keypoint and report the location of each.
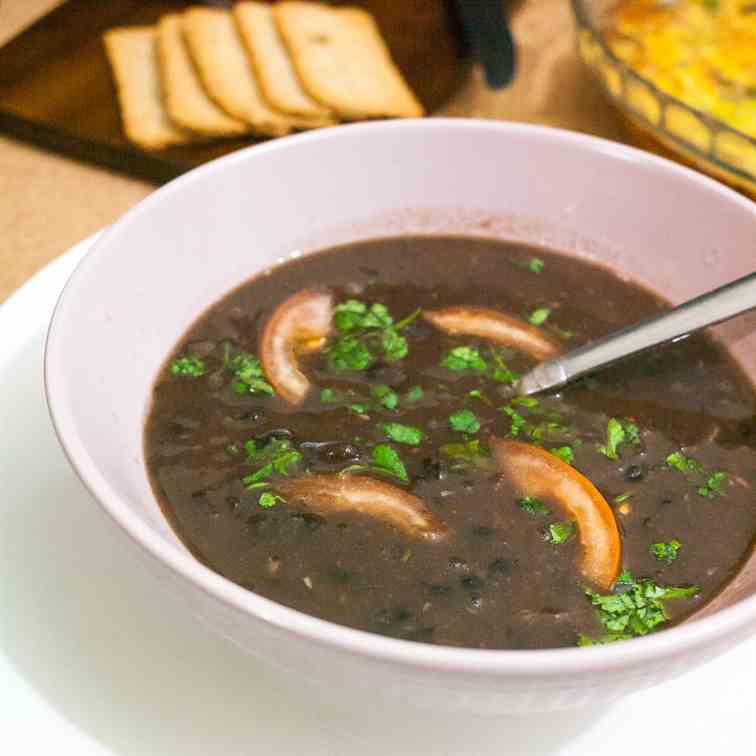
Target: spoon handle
(721, 304)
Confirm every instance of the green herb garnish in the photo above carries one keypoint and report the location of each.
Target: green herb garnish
(278, 455)
(559, 532)
(464, 358)
(635, 608)
(500, 371)
(665, 552)
(469, 450)
(683, 464)
(564, 453)
(525, 401)
(713, 485)
(619, 432)
(363, 327)
(465, 421)
(622, 497)
(533, 506)
(533, 264)
(414, 394)
(386, 458)
(402, 434)
(539, 316)
(268, 499)
(248, 374)
(188, 365)
(385, 396)
(518, 421)
(348, 353)
(328, 396)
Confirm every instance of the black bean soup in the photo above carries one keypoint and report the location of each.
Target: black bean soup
(339, 435)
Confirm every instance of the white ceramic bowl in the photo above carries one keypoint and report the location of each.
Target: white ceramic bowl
(155, 270)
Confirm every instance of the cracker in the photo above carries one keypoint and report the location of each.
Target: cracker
(275, 72)
(186, 101)
(226, 72)
(343, 62)
(131, 52)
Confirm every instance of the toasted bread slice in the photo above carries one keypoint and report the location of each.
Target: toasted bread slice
(186, 101)
(275, 72)
(132, 56)
(343, 62)
(226, 72)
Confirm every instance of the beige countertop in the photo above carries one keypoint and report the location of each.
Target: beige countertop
(49, 202)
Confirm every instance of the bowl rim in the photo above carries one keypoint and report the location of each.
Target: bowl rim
(483, 662)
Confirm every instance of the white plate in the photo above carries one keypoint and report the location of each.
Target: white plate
(94, 659)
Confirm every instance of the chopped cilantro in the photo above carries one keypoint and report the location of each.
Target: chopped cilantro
(348, 353)
(248, 373)
(359, 408)
(386, 458)
(619, 432)
(559, 532)
(518, 421)
(469, 450)
(414, 394)
(404, 322)
(622, 497)
(539, 316)
(635, 608)
(564, 453)
(533, 506)
(188, 365)
(328, 396)
(385, 396)
(500, 371)
(525, 401)
(268, 499)
(402, 434)
(465, 421)
(464, 358)
(665, 552)
(357, 323)
(394, 346)
(682, 463)
(713, 485)
(277, 455)
(533, 264)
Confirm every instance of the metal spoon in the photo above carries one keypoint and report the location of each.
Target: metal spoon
(721, 304)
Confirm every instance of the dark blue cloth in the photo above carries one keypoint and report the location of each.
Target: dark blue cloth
(486, 28)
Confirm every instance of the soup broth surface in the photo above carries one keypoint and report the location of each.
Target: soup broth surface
(667, 438)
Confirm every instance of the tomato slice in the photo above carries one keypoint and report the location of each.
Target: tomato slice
(538, 473)
(299, 325)
(495, 326)
(326, 494)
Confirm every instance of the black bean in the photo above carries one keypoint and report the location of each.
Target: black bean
(233, 502)
(635, 473)
(500, 567)
(434, 469)
(331, 452)
(249, 416)
(471, 583)
(476, 600)
(310, 520)
(280, 434)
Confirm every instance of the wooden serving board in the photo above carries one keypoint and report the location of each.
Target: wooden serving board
(56, 88)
